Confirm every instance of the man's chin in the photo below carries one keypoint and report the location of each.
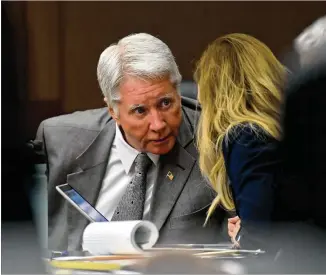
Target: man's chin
(161, 149)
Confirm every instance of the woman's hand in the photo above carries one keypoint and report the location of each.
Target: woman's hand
(233, 226)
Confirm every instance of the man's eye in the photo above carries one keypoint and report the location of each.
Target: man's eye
(139, 110)
(166, 102)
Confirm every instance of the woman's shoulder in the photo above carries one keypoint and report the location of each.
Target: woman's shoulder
(249, 132)
(248, 136)
(251, 148)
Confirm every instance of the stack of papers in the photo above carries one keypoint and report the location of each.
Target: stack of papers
(101, 263)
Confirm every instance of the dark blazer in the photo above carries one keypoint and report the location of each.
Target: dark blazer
(304, 145)
(252, 163)
(298, 235)
(78, 147)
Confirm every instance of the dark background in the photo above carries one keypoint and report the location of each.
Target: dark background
(58, 44)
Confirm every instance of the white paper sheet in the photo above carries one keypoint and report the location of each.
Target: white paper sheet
(125, 237)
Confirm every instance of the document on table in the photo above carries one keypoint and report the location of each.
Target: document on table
(124, 237)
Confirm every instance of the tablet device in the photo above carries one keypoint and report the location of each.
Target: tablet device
(82, 205)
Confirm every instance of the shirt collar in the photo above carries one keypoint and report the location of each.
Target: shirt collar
(127, 153)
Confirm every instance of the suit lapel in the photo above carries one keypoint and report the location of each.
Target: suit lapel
(174, 172)
(92, 163)
(175, 168)
(88, 177)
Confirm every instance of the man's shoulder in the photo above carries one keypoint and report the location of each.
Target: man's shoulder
(93, 120)
(191, 109)
(191, 105)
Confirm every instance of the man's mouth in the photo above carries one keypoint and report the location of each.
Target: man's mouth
(162, 139)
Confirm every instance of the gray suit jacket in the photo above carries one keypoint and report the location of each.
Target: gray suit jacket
(78, 146)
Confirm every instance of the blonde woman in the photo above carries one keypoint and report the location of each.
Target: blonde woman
(240, 91)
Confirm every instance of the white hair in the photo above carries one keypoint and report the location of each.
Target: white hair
(138, 55)
(309, 43)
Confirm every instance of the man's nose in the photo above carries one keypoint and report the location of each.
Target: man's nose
(157, 122)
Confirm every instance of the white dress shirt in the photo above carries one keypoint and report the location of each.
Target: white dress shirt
(119, 172)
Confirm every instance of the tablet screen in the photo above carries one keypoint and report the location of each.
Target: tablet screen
(85, 206)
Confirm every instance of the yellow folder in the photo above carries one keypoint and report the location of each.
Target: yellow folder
(87, 265)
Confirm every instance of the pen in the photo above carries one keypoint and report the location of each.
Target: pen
(205, 246)
(231, 251)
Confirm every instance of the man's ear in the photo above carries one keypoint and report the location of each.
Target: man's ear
(113, 114)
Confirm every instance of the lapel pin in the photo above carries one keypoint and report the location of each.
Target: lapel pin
(170, 175)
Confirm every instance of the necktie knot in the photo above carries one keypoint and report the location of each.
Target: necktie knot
(142, 163)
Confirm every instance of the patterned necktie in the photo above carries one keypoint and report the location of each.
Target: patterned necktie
(131, 205)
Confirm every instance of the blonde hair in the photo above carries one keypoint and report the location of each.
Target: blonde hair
(240, 81)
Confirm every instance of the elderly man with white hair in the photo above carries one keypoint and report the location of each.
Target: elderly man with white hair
(135, 159)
